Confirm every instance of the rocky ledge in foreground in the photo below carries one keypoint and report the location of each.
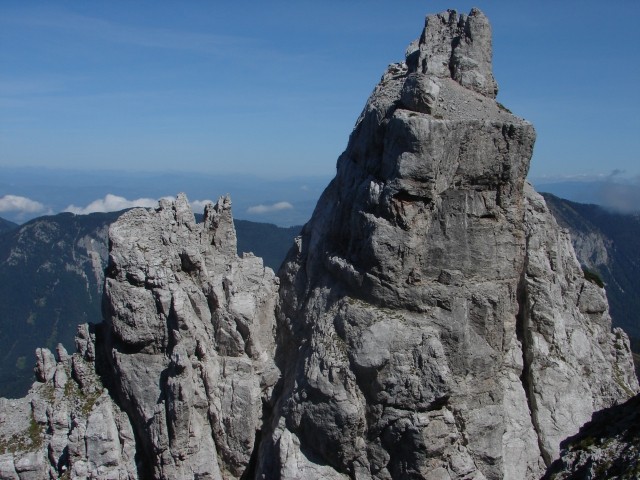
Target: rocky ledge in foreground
(432, 319)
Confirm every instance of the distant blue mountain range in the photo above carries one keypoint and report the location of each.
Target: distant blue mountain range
(616, 195)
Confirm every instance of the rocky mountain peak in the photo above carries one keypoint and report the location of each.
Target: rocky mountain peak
(186, 353)
(456, 46)
(188, 338)
(422, 144)
(434, 320)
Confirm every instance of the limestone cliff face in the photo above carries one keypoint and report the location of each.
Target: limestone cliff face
(186, 351)
(189, 339)
(434, 320)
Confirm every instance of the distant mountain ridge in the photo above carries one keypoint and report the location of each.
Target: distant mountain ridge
(7, 225)
(613, 193)
(607, 243)
(281, 201)
(51, 276)
(51, 280)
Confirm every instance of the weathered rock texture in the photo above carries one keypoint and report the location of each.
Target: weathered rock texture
(456, 46)
(434, 320)
(186, 349)
(606, 242)
(52, 278)
(189, 339)
(68, 424)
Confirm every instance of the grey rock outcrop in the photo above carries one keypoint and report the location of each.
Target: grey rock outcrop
(456, 46)
(590, 243)
(606, 245)
(189, 339)
(434, 320)
(186, 351)
(575, 364)
(606, 447)
(68, 424)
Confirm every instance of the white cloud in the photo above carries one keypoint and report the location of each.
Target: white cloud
(15, 203)
(112, 203)
(269, 208)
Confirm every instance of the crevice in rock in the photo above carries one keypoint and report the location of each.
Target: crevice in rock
(579, 295)
(406, 197)
(104, 371)
(522, 323)
(249, 472)
(453, 61)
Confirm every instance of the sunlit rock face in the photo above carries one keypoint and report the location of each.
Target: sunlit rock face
(172, 383)
(189, 338)
(434, 321)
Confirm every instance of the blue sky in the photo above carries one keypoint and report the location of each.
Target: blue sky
(274, 88)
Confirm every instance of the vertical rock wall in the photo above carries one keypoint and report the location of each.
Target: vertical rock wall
(188, 339)
(434, 321)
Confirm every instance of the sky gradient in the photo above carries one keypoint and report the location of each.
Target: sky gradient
(274, 88)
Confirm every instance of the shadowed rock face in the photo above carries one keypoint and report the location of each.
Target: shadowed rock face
(432, 319)
(606, 447)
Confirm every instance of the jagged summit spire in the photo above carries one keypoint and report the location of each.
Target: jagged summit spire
(457, 46)
(433, 319)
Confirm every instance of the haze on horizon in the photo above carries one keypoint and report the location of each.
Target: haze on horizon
(274, 89)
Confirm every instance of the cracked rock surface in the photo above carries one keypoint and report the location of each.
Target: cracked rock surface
(68, 424)
(189, 339)
(185, 350)
(434, 320)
